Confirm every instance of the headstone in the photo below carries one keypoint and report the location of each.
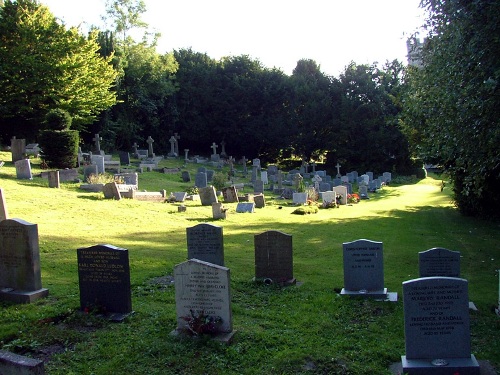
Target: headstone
(186, 152)
(172, 141)
(207, 195)
(202, 169)
(135, 146)
(387, 177)
(99, 161)
(111, 191)
(363, 192)
(254, 173)
(15, 364)
(104, 280)
(274, 257)
(97, 145)
(210, 175)
(243, 207)
(370, 175)
(272, 170)
(223, 149)
(89, 170)
(264, 178)
(200, 180)
(23, 169)
(176, 145)
(348, 186)
(142, 154)
(259, 200)
(258, 186)
(437, 327)
(202, 295)
(344, 179)
(206, 243)
(180, 196)
(17, 147)
(338, 170)
(32, 149)
(20, 275)
(342, 192)
(336, 182)
(230, 194)
(244, 164)
(131, 179)
(69, 174)
(4, 213)
(324, 186)
(150, 142)
(256, 163)
(439, 262)
(54, 179)
(299, 198)
(214, 156)
(186, 177)
(364, 269)
(124, 157)
(329, 197)
(219, 211)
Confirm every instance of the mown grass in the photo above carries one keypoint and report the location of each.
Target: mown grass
(304, 329)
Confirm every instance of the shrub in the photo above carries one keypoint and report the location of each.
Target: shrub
(306, 210)
(219, 180)
(59, 148)
(58, 119)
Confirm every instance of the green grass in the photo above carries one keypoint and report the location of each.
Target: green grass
(304, 329)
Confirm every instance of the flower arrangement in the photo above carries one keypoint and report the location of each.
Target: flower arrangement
(201, 323)
(353, 198)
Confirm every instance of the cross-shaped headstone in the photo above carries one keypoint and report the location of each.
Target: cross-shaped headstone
(231, 165)
(135, 146)
(96, 139)
(223, 149)
(150, 146)
(176, 146)
(214, 148)
(338, 170)
(172, 141)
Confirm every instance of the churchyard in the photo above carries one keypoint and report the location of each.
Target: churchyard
(304, 317)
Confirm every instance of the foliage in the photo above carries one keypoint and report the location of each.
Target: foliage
(353, 198)
(219, 180)
(44, 66)
(306, 210)
(57, 119)
(59, 148)
(452, 106)
(201, 323)
(312, 194)
(192, 190)
(104, 178)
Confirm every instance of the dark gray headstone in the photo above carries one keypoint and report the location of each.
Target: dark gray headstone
(15, 364)
(437, 328)
(201, 180)
(20, 275)
(89, 170)
(124, 157)
(439, 262)
(23, 169)
(129, 178)
(186, 177)
(210, 175)
(258, 186)
(104, 279)
(17, 147)
(364, 268)
(206, 242)
(207, 196)
(99, 161)
(4, 213)
(324, 186)
(259, 200)
(54, 179)
(274, 257)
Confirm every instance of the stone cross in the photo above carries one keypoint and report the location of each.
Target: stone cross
(244, 163)
(135, 146)
(96, 139)
(214, 148)
(150, 146)
(172, 141)
(231, 165)
(186, 151)
(223, 150)
(338, 170)
(177, 137)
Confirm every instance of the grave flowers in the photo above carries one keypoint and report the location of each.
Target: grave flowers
(353, 198)
(201, 323)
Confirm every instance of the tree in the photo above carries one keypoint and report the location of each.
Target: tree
(44, 66)
(452, 106)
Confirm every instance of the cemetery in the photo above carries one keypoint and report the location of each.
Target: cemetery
(160, 269)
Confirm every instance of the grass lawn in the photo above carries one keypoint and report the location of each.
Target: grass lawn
(304, 329)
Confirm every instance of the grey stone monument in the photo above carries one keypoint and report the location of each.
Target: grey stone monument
(439, 262)
(206, 242)
(4, 213)
(23, 169)
(274, 257)
(207, 196)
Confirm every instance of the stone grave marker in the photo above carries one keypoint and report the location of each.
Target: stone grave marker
(324, 186)
(210, 175)
(437, 327)
(202, 292)
(186, 177)
(20, 275)
(4, 213)
(17, 147)
(207, 196)
(99, 161)
(23, 169)
(230, 194)
(201, 180)
(259, 200)
(363, 192)
(264, 178)
(104, 280)
(387, 177)
(219, 211)
(89, 170)
(258, 186)
(364, 269)
(299, 198)
(124, 157)
(342, 191)
(274, 257)
(244, 207)
(180, 196)
(206, 243)
(111, 191)
(329, 197)
(439, 262)
(54, 179)
(15, 364)
(142, 154)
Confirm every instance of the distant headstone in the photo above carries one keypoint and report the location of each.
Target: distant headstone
(387, 177)
(20, 275)
(264, 178)
(104, 280)
(180, 196)
(324, 186)
(99, 161)
(219, 211)
(207, 196)
(201, 180)
(206, 242)
(23, 169)
(111, 191)
(259, 200)
(243, 207)
(124, 157)
(364, 269)
(17, 147)
(439, 262)
(274, 257)
(54, 179)
(186, 177)
(299, 198)
(210, 175)
(363, 192)
(202, 293)
(230, 194)
(89, 170)
(342, 192)
(258, 186)
(97, 145)
(329, 197)
(150, 142)
(4, 213)
(437, 327)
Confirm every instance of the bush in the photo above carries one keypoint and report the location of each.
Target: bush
(58, 119)
(306, 210)
(219, 181)
(59, 148)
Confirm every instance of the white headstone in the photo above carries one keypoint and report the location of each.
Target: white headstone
(342, 191)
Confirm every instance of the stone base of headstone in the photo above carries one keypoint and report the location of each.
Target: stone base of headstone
(11, 363)
(376, 294)
(181, 208)
(20, 296)
(113, 317)
(269, 281)
(93, 188)
(462, 366)
(223, 337)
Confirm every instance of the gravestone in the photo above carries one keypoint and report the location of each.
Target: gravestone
(131, 179)
(23, 169)
(230, 194)
(387, 177)
(259, 200)
(200, 180)
(202, 169)
(202, 292)
(186, 177)
(99, 161)
(363, 192)
(207, 196)
(32, 149)
(210, 175)
(272, 170)
(142, 154)
(89, 170)
(274, 257)
(4, 214)
(437, 327)
(244, 207)
(299, 198)
(264, 178)
(342, 192)
(20, 275)
(329, 197)
(97, 146)
(364, 269)
(15, 364)
(69, 174)
(150, 142)
(206, 243)
(104, 280)
(124, 157)
(258, 187)
(180, 196)
(439, 262)
(324, 186)
(54, 179)
(219, 211)
(111, 191)
(17, 147)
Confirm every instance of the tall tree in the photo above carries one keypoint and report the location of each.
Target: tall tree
(452, 107)
(44, 66)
